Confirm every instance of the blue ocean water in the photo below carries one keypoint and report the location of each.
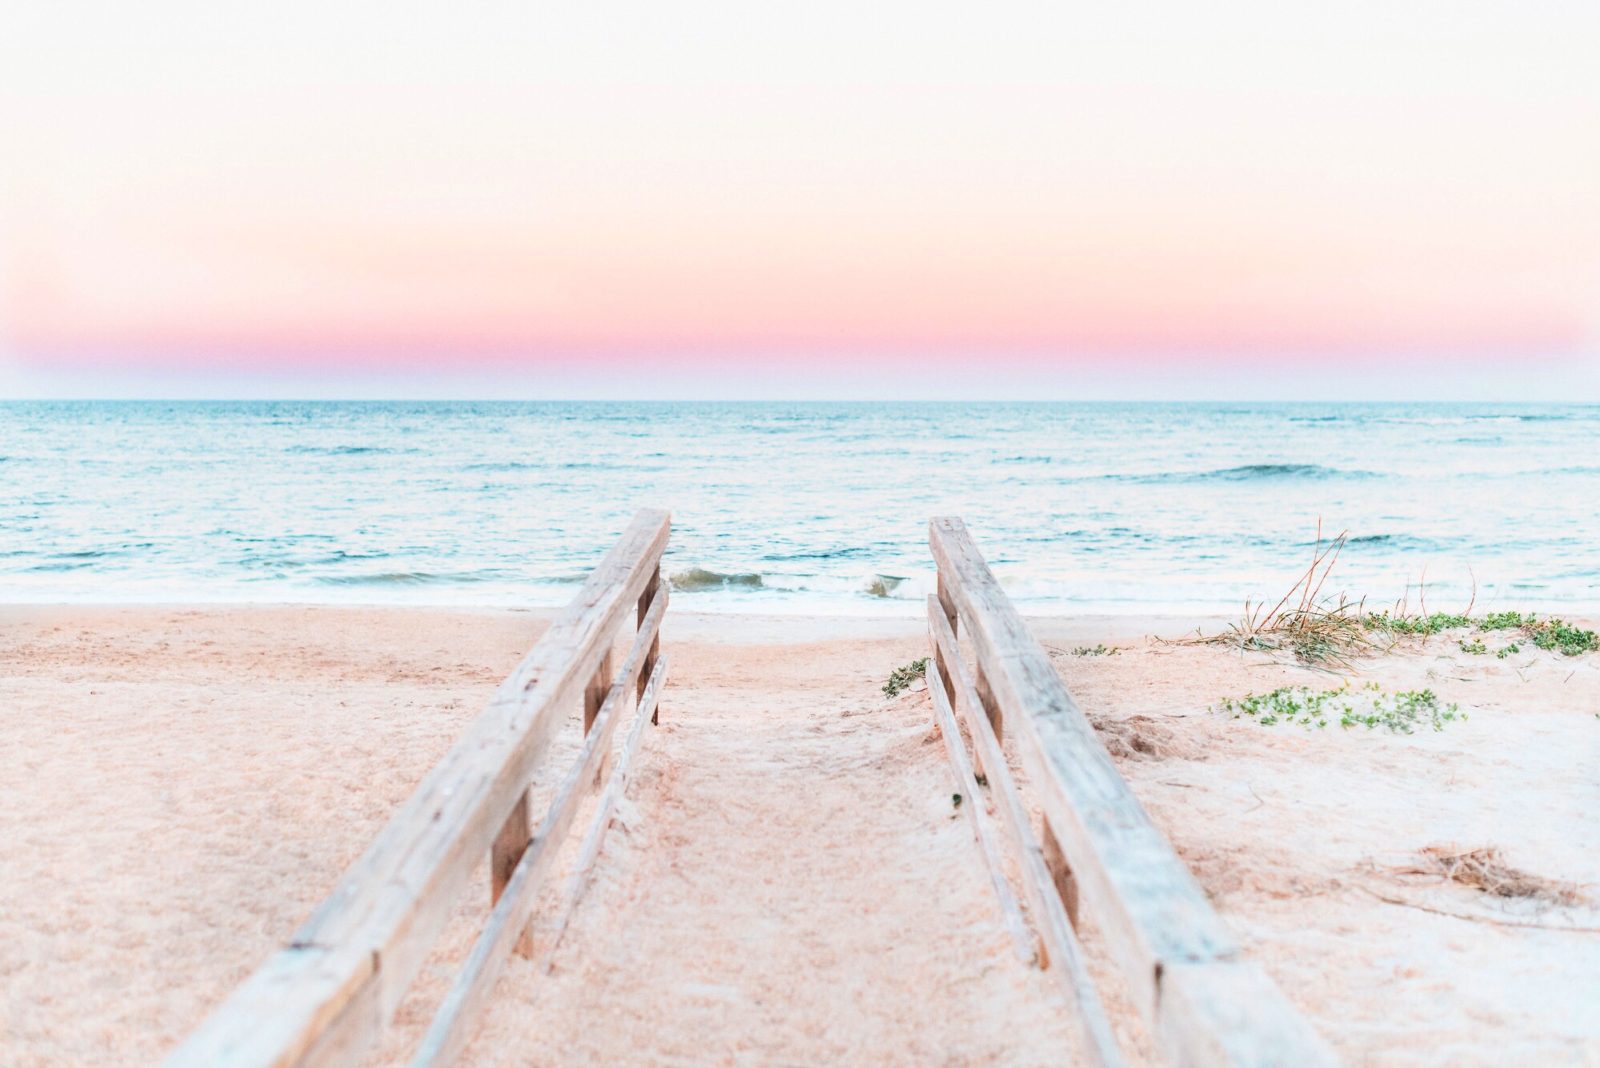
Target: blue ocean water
(797, 506)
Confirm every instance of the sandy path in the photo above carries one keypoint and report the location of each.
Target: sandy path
(790, 885)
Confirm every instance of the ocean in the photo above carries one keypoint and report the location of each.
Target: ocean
(799, 507)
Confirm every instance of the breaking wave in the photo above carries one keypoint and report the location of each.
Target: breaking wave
(408, 578)
(697, 579)
(1252, 472)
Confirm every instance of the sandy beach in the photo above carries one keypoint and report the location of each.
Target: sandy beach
(787, 881)
(719, 536)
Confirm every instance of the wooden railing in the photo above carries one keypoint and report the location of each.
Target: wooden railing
(1098, 851)
(326, 995)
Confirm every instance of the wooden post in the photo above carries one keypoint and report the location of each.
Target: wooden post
(506, 853)
(945, 671)
(508, 848)
(991, 707)
(594, 695)
(1061, 873)
(655, 645)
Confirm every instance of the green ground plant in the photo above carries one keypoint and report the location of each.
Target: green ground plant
(1424, 625)
(1554, 635)
(1368, 706)
(1097, 650)
(902, 677)
(1562, 637)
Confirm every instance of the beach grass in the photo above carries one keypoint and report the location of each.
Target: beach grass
(1323, 632)
(1333, 631)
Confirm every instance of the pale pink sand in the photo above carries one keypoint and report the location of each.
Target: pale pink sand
(1284, 825)
(179, 788)
(786, 883)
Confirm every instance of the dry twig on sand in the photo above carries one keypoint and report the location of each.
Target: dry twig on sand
(1498, 921)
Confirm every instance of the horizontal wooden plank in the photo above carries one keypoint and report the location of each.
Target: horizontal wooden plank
(1062, 954)
(1152, 910)
(1232, 1014)
(457, 1015)
(982, 828)
(380, 922)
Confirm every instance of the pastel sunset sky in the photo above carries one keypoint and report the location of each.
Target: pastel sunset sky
(1353, 199)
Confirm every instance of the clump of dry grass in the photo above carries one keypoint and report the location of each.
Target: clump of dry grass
(1485, 868)
(1323, 632)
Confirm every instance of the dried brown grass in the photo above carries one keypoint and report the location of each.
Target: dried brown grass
(1322, 632)
(1485, 868)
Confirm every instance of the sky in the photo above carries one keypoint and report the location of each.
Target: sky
(865, 200)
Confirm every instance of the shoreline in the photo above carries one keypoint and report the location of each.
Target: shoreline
(734, 627)
(742, 628)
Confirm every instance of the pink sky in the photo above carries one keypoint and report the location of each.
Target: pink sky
(219, 195)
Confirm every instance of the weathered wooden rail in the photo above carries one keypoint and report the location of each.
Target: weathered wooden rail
(1098, 852)
(328, 994)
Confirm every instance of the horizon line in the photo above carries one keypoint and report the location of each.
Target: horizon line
(765, 399)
